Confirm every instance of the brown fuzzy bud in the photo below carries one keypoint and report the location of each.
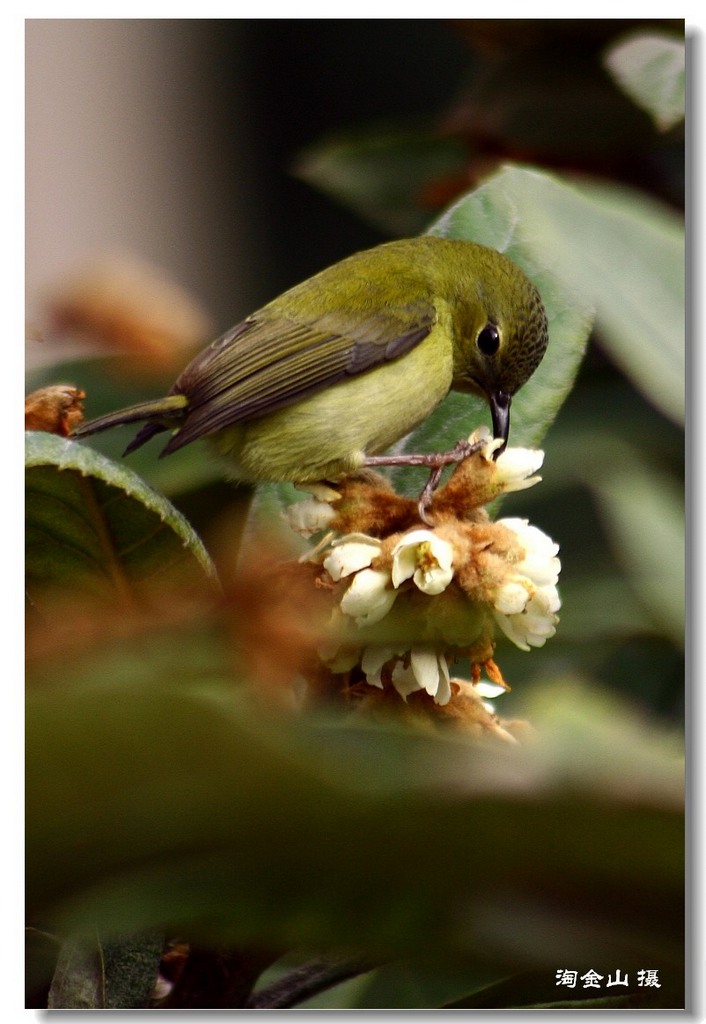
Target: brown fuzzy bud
(56, 409)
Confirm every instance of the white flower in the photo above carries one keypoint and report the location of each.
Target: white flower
(513, 596)
(309, 516)
(540, 563)
(427, 670)
(351, 553)
(490, 443)
(514, 468)
(369, 598)
(373, 661)
(425, 557)
(526, 603)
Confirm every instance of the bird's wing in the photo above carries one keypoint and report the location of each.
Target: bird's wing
(269, 361)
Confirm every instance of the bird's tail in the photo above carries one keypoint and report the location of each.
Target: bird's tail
(160, 414)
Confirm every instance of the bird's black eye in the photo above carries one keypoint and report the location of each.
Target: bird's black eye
(488, 340)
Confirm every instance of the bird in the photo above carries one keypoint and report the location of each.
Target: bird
(319, 382)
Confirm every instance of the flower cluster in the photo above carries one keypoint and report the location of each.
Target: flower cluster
(409, 600)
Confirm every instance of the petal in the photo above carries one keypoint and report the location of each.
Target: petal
(348, 556)
(368, 598)
(405, 554)
(509, 628)
(532, 538)
(540, 569)
(309, 516)
(404, 565)
(545, 601)
(536, 641)
(415, 537)
(539, 625)
(443, 695)
(433, 581)
(442, 552)
(482, 433)
(425, 665)
(512, 597)
(515, 465)
(404, 680)
(427, 557)
(373, 660)
(489, 690)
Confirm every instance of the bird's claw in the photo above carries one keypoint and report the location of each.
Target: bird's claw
(461, 450)
(435, 461)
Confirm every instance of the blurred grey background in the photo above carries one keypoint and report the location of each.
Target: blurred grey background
(174, 139)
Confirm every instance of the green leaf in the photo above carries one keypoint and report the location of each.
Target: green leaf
(414, 984)
(642, 509)
(644, 515)
(97, 529)
(650, 68)
(383, 174)
(188, 806)
(107, 390)
(610, 247)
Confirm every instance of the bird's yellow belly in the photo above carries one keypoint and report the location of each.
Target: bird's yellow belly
(330, 434)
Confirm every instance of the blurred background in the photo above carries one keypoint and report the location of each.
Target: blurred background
(179, 174)
(237, 157)
(176, 140)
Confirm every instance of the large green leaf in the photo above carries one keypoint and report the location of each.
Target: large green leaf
(612, 247)
(94, 528)
(650, 68)
(494, 215)
(107, 390)
(186, 807)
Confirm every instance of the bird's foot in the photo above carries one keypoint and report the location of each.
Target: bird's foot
(435, 461)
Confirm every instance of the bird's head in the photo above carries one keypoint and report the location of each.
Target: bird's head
(501, 340)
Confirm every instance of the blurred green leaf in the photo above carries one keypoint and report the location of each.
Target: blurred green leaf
(189, 808)
(108, 975)
(644, 515)
(599, 607)
(415, 984)
(78, 982)
(108, 390)
(386, 175)
(641, 509)
(650, 68)
(95, 528)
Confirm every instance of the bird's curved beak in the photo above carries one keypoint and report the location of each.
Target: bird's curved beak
(500, 412)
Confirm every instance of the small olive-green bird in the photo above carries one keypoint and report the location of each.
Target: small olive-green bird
(324, 378)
